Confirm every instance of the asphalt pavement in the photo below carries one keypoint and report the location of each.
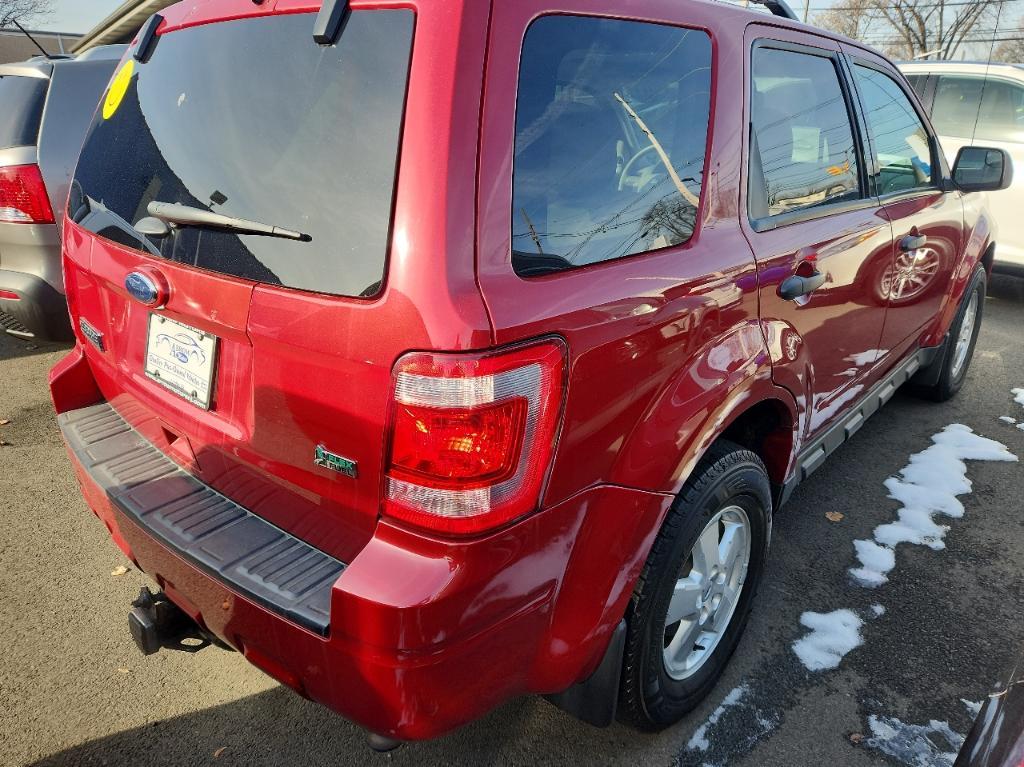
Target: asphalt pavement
(74, 690)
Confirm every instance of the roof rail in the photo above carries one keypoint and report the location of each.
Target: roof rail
(779, 8)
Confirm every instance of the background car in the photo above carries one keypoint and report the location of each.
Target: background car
(974, 103)
(45, 108)
(997, 738)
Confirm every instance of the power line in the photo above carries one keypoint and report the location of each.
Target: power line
(916, 6)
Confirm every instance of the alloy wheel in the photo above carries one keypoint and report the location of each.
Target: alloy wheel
(707, 592)
(963, 338)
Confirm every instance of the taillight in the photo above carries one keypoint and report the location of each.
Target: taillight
(23, 197)
(472, 436)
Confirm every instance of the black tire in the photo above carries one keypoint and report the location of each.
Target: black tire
(942, 384)
(729, 475)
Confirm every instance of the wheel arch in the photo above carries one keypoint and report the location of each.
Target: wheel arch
(979, 245)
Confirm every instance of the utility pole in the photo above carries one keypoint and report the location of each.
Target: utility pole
(942, 23)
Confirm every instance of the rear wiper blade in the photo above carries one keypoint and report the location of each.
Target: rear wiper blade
(176, 215)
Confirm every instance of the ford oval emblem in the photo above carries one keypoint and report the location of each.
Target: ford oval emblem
(144, 288)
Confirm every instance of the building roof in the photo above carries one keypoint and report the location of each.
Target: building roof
(121, 25)
(14, 46)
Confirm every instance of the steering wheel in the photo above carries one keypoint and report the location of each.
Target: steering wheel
(624, 174)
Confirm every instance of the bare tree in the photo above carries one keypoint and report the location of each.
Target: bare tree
(909, 28)
(853, 18)
(923, 26)
(1011, 50)
(25, 12)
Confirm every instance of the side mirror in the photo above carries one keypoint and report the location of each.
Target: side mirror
(981, 169)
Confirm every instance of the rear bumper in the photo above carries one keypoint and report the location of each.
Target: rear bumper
(419, 635)
(39, 311)
(1009, 257)
(1010, 268)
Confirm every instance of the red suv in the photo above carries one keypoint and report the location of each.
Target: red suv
(434, 353)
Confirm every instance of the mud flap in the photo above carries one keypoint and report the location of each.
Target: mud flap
(594, 700)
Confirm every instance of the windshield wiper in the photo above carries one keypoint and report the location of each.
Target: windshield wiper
(175, 215)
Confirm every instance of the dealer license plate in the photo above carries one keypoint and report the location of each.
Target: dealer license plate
(181, 358)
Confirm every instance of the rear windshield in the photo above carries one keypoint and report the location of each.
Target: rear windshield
(252, 119)
(22, 99)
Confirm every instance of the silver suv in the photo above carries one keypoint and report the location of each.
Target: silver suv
(46, 106)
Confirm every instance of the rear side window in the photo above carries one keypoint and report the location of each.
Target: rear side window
(22, 100)
(803, 153)
(611, 130)
(899, 137)
(973, 107)
(252, 119)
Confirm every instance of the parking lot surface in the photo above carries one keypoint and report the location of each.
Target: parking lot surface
(74, 690)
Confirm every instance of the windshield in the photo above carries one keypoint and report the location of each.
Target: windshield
(22, 99)
(252, 119)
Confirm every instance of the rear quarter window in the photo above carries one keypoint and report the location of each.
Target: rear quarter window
(252, 119)
(611, 132)
(22, 100)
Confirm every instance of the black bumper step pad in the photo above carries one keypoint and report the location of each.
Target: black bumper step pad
(10, 324)
(230, 543)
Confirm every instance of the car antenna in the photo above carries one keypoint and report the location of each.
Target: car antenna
(988, 66)
(34, 41)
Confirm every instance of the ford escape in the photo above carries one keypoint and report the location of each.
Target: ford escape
(435, 353)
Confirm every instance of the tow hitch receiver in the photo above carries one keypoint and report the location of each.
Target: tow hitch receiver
(156, 622)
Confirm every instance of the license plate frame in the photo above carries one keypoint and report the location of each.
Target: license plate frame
(181, 358)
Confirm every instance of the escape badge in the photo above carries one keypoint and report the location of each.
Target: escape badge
(324, 457)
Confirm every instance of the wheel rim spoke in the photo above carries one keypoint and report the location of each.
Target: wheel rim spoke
(685, 598)
(705, 553)
(725, 610)
(682, 645)
(732, 546)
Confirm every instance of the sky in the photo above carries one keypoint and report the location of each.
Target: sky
(77, 16)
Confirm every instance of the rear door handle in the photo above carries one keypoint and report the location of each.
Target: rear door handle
(796, 286)
(913, 242)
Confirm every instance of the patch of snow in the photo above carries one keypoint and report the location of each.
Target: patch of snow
(924, 497)
(699, 740)
(875, 562)
(971, 446)
(913, 526)
(972, 708)
(928, 485)
(1007, 419)
(1018, 396)
(915, 745)
(734, 727)
(878, 610)
(832, 636)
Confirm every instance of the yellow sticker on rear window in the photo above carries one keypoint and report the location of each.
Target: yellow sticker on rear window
(117, 89)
